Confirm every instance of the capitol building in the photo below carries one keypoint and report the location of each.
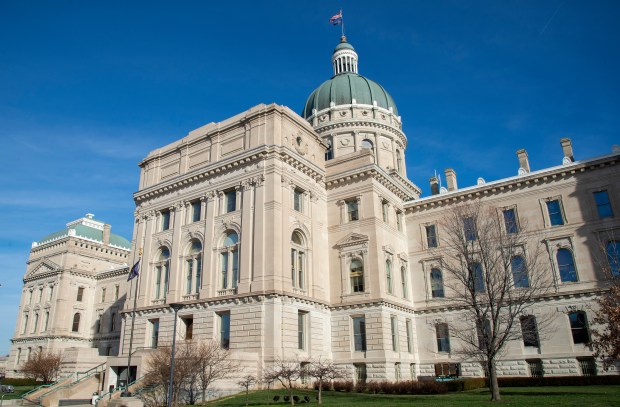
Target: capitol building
(289, 235)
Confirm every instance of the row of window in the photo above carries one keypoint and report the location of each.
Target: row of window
(187, 333)
(564, 259)
(359, 333)
(50, 292)
(80, 294)
(35, 322)
(195, 214)
(356, 277)
(555, 213)
(529, 331)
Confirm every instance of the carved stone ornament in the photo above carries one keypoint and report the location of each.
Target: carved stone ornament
(323, 118)
(345, 141)
(300, 146)
(364, 113)
(343, 113)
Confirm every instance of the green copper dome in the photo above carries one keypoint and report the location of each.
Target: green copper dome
(347, 86)
(343, 88)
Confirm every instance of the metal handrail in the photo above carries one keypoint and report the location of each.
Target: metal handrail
(23, 396)
(110, 393)
(79, 379)
(88, 372)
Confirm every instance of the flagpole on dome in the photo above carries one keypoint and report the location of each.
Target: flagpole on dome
(342, 18)
(133, 273)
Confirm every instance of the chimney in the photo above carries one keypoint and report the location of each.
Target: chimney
(567, 148)
(451, 179)
(524, 163)
(106, 234)
(434, 185)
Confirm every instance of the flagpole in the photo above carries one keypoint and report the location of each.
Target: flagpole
(133, 322)
(342, 17)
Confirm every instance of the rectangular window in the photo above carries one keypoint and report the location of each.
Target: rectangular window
(98, 324)
(103, 295)
(394, 332)
(443, 338)
(30, 297)
(409, 328)
(384, 210)
(352, 210)
(165, 219)
(154, 332)
(397, 371)
(529, 330)
(431, 236)
(301, 329)
(359, 334)
(112, 322)
(403, 281)
(555, 212)
(399, 221)
(447, 369)
(80, 294)
(224, 330)
(587, 366)
(231, 200)
(46, 321)
(603, 206)
(510, 221)
(116, 290)
(189, 328)
(196, 209)
(360, 372)
(579, 327)
(303, 372)
(469, 227)
(536, 368)
(50, 292)
(298, 200)
(40, 294)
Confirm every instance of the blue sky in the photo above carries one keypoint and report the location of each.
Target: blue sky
(87, 89)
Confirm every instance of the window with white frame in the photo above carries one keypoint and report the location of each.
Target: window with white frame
(193, 265)
(409, 328)
(357, 276)
(579, 327)
(554, 210)
(230, 198)
(404, 281)
(229, 261)
(399, 221)
(154, 328)
(388, 276)
(436, 283)
(431, 236)
(359, 334)
(612, 250)
(519, 272)
(75, 326)
(385, 206)
(162, 274)
(165, 219)
(352, 210)
(224, 324)
(394, 332)
(298, 260)
(566, 265)
(529, 331)
(196, 209)
(603, 206)
(510, 220)
(24, 323)
(302, 322)
(443, 338)
(298, 200)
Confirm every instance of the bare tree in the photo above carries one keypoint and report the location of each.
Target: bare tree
(245, 383)
(43, 366)
(213, 363)
(158, 368)
(491, 266)
(324, 370)
(286, 372)
(606, 342)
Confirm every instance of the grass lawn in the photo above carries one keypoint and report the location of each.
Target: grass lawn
(19, 390)
(578, 396)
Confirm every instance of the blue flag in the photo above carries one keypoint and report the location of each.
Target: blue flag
(134, 271)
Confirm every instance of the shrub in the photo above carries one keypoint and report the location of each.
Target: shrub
(373, 387)
(466, 384)
(326, 386)
(558, 381)
(360, 387)
(343, 385)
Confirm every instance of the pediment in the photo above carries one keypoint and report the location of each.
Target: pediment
(352, 239)
(45, 266)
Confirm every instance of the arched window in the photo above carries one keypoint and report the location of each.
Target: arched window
(162, 271)
(436, 283)
(566, 265)
(36, 322)
(112, 322)
(388, 275)
(357, 276)
(194, 268)
(76, 322)
(613, 257)
(298, 260)
(519, 272)
(366, 144)
(329, 152)
(403, 281)
(25, 325)
(229, 260)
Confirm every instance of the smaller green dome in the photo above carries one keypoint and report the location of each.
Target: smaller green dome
(344, 45)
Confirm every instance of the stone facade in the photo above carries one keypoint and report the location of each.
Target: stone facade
(302, 237)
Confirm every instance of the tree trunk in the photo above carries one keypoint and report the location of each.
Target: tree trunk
(320, 391)
(493, 385)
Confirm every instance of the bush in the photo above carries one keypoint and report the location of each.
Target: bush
(558, 381)
(21, 382)
(343, 385)
(360, 387)
(326, 386)
(373, 387)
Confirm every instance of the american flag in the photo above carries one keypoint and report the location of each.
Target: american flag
(337, 19)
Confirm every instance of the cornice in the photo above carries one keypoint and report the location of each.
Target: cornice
(404, 191)
(112, 273)
(356, 122)
(504, 185)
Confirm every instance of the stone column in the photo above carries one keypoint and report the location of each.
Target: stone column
(209, 264)
(247, 233)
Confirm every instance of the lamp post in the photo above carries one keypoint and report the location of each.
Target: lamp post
(176, 307)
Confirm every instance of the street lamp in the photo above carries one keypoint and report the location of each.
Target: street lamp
(176, 307)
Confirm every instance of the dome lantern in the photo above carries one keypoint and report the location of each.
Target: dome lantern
(344, 58)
